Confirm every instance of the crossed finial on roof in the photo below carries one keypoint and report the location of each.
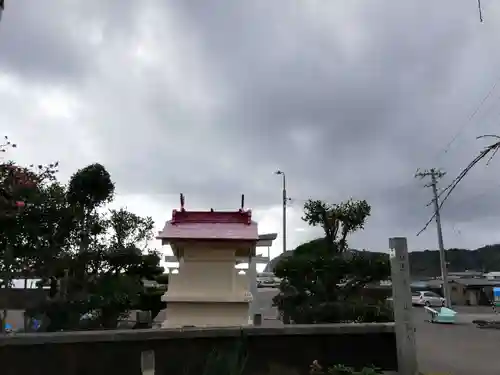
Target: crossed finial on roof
(211, 210)
(182, 202)
(242, 203)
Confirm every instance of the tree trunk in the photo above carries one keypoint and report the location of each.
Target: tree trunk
(25, 317)
(7, 280)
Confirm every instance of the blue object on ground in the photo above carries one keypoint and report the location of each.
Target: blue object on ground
(496, 296)
(36, 324)
(443, 315)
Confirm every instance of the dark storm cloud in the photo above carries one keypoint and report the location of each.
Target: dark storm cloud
(50, 41)
(377, 110)
(382, 100)
(348, 98)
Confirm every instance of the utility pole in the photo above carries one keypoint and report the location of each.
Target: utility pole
(285, 202)
(436, 174)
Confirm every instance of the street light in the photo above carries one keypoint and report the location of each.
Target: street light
(285, 200)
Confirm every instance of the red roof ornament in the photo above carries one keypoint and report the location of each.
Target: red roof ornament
(211, 225)
(173, 216)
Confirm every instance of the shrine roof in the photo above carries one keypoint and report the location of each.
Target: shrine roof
(214, 217)
(210, 225)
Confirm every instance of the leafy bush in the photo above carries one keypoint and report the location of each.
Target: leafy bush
(324, 282)
(317, 369)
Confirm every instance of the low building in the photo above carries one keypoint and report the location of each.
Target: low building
(495, 275)
(466, 275)
(472, 291)
(467, 290)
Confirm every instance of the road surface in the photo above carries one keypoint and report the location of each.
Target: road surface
(460, 349)
(265, 302)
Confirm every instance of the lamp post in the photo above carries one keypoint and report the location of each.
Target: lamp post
(285, 201)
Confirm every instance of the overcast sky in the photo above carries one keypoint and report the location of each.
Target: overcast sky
(209, 98)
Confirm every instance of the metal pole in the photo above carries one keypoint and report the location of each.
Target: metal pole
(285, 200)
(442, 253)
(402, 305)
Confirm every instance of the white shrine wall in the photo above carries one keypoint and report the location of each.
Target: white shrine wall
(207, 291)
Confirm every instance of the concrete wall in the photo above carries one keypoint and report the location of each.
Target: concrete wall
(284, 350)
(457, 294)
(20, 299)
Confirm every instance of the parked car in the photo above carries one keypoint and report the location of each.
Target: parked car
(427, 298)
(267, 280)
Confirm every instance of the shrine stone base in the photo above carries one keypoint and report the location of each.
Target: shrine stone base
(202, 314)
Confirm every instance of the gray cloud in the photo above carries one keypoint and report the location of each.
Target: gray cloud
(348, 99)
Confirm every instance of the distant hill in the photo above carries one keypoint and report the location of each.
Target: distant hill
(485, 259)
(426, 263)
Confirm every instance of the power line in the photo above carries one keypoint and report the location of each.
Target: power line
(478, 196)
(492, 150)
(470, 118)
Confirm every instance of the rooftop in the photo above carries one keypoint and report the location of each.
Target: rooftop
(469, 281)
(209, 225)
(268, 236)
(476, 282)
(212, 217)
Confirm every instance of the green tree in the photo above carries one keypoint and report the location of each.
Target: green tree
(336, 220)
(90, 188)
(119, 284)
(72, 271)
(94, 260)
(323, 281)
(20, 191)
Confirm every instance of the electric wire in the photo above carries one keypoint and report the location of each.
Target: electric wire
(491, 149)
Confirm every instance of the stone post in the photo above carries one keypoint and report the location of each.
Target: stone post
(252, 280)
(148, 362)
(402, 303)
